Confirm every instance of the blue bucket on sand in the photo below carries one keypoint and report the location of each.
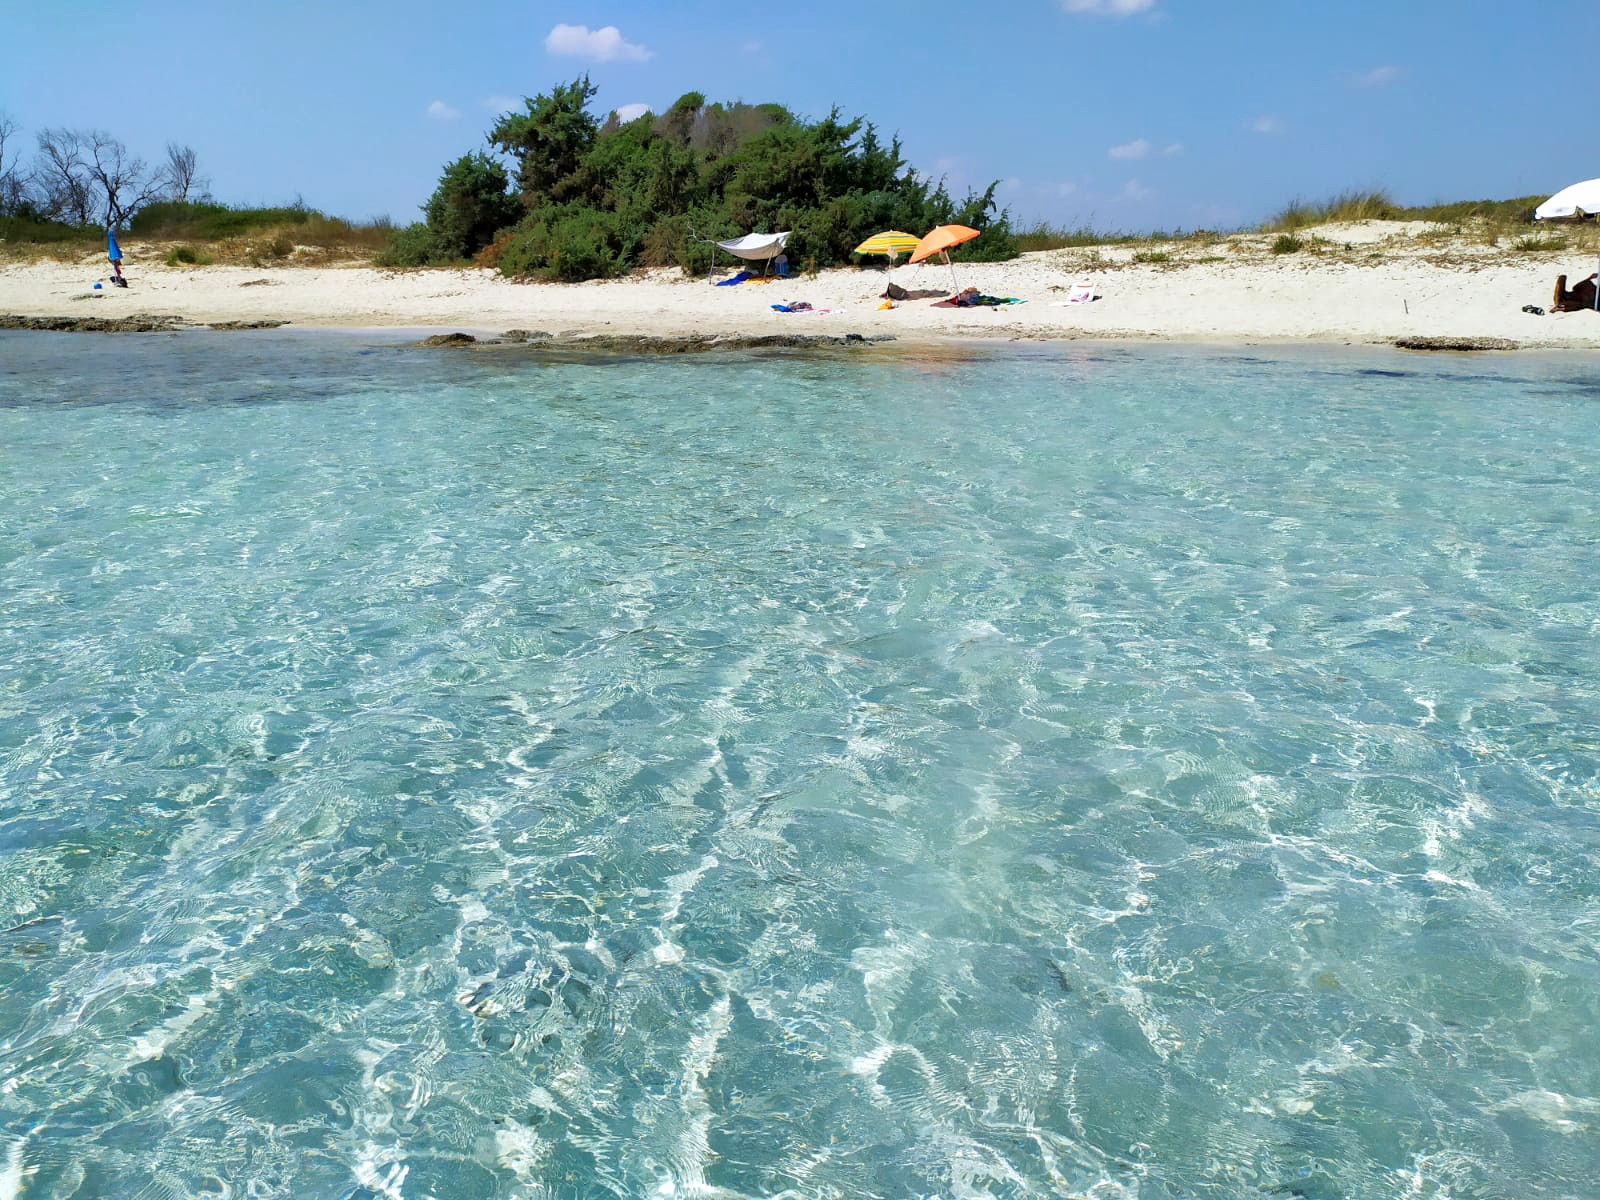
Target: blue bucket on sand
(97, 287)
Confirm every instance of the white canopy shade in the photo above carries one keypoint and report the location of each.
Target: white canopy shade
(757, 247)
(1579, 200)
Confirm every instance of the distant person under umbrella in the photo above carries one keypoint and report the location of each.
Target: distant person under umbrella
(114, 253)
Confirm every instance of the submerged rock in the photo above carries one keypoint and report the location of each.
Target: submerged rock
(694, 343)
(246, 324)
(1455, 343)
(449, 339)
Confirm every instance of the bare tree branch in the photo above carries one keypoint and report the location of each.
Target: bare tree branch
(13, 181)
(63, 176)
(125, 184)
(181, 173)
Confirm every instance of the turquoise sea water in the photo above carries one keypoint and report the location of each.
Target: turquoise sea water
(1079, 772)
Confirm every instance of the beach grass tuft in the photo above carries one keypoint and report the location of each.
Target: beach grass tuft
(1287, 243)
(1370, 205)
(1534, 244)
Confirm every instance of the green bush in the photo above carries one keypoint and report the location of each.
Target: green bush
(1287, 243)
(597, 199)
(413, 246)
(1151, 256)
(470, 205)
(188, 256)
(569, 244)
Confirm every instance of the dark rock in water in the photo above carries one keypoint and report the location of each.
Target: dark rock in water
(526, 335)
(1455, 343)
(448, 339)
(246, 324)
(694, 343)
(138, 323)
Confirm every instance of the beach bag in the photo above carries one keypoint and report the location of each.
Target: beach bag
(895, 292)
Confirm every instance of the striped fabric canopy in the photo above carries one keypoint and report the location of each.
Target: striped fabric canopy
(891, 242)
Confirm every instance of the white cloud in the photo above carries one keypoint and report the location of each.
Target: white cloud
(1012, 184)
(602, 45)
(1264, 125)
(1136, 191)
(440, 111)
(1377, 77)
(1066, 189)
(947, 164)
(1172, 151)
(632, 112)
(1108, 8)
(1133, 151)
(502, 104)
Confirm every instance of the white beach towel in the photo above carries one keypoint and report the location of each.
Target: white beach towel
(1085, 291)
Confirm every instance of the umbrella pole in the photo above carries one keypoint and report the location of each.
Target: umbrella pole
(956, 283)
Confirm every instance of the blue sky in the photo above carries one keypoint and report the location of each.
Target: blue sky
(1133, 114)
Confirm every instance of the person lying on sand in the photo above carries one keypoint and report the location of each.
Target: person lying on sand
(1578, 299)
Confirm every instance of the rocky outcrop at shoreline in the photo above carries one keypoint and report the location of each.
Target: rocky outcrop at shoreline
(1455, 343)
(137, 323)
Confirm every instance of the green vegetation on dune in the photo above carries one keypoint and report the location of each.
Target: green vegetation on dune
(1378, 205)
(206, 221)
(587, 199)
(31, 228)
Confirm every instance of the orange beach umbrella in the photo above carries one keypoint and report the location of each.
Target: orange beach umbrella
(941, 241)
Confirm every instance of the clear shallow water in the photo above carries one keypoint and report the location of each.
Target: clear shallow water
(1123, 774)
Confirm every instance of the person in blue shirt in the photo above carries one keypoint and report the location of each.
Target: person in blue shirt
(114, 254)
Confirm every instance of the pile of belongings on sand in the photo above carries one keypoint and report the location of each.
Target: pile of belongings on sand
(973, 298)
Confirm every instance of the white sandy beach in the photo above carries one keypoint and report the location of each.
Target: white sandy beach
(1367, 283)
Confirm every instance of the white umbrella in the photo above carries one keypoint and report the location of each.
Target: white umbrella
(1573, 204)
(1579, 200)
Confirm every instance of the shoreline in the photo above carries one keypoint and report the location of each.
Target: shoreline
(1379, 287)
(602, 347)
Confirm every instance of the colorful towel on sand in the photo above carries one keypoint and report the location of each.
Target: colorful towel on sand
(986, 301)
(807, 311)
(734, 280)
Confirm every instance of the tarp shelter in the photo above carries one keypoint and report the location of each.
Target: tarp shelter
(756, 247)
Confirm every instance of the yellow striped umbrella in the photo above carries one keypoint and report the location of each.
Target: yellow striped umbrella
(891, 242)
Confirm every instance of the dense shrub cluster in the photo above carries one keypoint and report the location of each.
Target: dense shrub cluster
(586, 199)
